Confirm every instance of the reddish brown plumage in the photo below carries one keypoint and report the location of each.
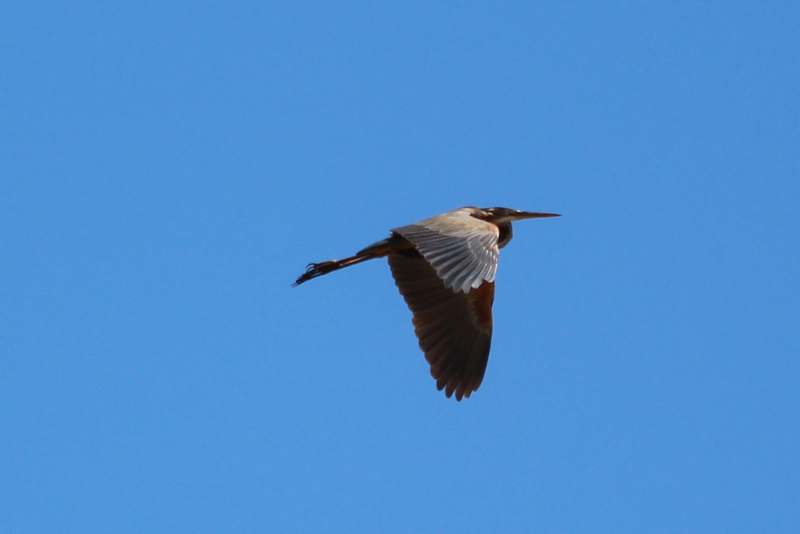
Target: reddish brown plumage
(445, 268)
(481, 300)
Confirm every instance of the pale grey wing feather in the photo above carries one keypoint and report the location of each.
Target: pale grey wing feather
(463, 250)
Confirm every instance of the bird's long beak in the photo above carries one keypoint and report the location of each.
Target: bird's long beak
(522, 215)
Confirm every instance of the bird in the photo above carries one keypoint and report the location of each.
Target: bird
(445, 268)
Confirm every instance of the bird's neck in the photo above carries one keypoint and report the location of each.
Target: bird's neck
(506, 233)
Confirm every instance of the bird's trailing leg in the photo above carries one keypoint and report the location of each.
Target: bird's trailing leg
(381, 249)
(314, 270)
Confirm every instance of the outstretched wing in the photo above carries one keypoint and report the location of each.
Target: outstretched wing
(454, 329)
(462, 249)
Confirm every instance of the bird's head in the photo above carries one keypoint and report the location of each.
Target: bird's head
(504, 215)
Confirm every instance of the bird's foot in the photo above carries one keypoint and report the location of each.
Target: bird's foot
(314, 270)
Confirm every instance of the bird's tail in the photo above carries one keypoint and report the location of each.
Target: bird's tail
(381, 249)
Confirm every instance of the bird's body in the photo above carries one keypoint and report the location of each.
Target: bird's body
(445, 268)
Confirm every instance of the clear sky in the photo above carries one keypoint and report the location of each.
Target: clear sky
(167, 169)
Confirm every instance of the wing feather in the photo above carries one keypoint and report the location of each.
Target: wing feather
(462, 249)
(454, 328)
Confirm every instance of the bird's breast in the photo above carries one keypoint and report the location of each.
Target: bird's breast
(481, 300)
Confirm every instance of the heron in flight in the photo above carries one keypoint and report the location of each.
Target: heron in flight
(445, 268)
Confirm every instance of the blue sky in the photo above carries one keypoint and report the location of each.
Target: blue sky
(168, 169)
